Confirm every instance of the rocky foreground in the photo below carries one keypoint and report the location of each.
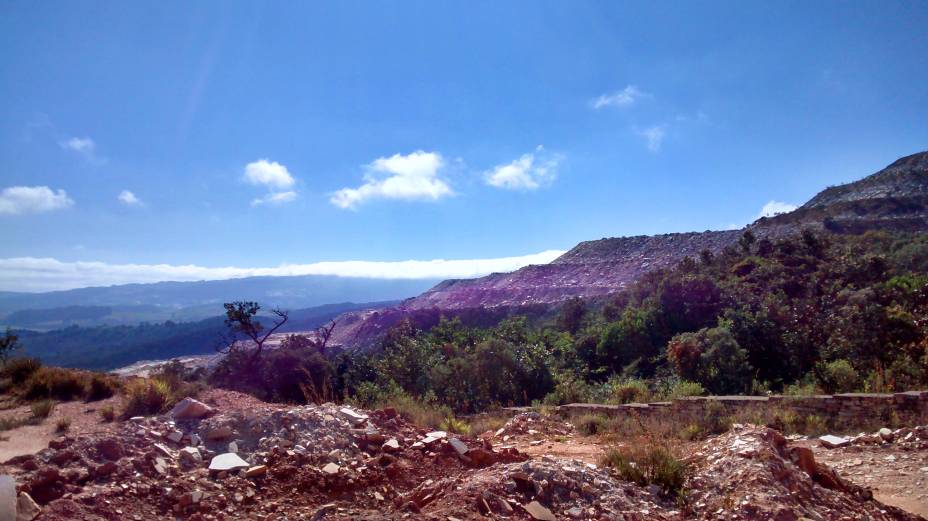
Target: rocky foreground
(234, 457)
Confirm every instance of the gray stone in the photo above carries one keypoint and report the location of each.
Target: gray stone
(331, 468)
(459, 446)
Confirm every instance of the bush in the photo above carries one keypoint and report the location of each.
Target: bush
(20, 369)
(42, 408)
(486, 423)
(590, 424)
(63, 424)
(629, 391)
(838, 376)
(147, 396)
(648, 463)
(101, 387)
(425, 411)
(55, 382)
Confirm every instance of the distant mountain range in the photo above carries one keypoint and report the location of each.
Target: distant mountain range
(893, 198)
(190, 301)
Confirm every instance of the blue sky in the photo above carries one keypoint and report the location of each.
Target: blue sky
(250, 135)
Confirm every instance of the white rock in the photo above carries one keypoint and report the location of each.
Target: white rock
(833, 442)
(227, 461)
(191, 454)
(354, 417)
(459, 446)
(331, 468)
(175, 436)
(189, 408)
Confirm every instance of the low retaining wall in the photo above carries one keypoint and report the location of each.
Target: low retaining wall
(910, 406)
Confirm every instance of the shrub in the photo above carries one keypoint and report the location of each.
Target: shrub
(838, 376)
(454, 425)
(108, 413)
(20, 369)
(424, 411)
(590, 424)
(42, 408)
(101, 387)
(629, 391)
(63, 424)
(146, 397)
(55, 382)
(486, 422)
(648, 463)
(815, 425)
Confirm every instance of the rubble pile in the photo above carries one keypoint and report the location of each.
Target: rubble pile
(535, 425)
(232, 457)
(751, 473)
(549, 488)
(913, 438)
(258, 462)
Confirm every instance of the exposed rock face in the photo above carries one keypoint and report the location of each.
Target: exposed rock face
(895, 198)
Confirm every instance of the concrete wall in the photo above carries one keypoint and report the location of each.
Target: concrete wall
(908, 407)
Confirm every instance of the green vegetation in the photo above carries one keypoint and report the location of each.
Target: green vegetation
(42, 408)
(808, 314)
(648, 463)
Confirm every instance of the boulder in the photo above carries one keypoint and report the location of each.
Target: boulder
(226, 462)
(188, 408)
(331, 468)
(886, 434)
(390, 445)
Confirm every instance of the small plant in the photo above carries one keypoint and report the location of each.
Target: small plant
(454, 425)
(691, 432)
(108, 413)
(146, 397)
(63, 424)
(42, 409)
(649, 463)
(815, 425)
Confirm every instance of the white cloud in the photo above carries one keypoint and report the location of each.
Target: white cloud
(46, 274)
(81, 145)
(653, 136)
(18, 200)
(128, 198)
(275, 177)
(410, 177)
(529, 172)
(269, 173)
(275, 198)
(775, 208)
(622, 98)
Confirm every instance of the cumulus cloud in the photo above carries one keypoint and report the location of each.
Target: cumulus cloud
(275, 177)
(529, 172)
(128, 198)
(46, 274)
(269, 173)
(775, 208)
(19, 200)
(275, 198)
(81, 145)
(404, 177)
(622, 98)
(653, 137)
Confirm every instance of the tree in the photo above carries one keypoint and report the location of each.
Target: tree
(571, 316)
(241, 321)
(8, 343)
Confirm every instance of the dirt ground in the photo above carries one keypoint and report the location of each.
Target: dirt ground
(897, 474)
(29, 439)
